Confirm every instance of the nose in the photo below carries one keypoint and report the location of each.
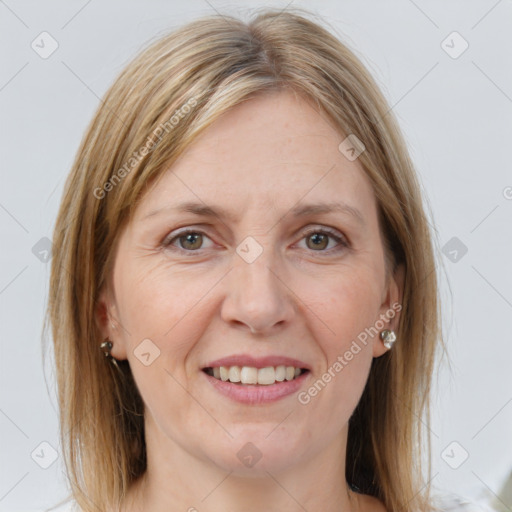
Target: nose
(257, 298)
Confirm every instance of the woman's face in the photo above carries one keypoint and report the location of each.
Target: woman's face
(258, 280)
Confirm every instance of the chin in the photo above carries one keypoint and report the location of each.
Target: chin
(256, 451)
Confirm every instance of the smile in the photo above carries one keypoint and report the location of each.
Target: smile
(248, 390)
(255, 376)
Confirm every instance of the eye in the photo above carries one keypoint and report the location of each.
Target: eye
(319, 240)
(189, 240)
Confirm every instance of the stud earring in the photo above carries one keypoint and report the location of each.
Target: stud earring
(388, 337)
(106, 346)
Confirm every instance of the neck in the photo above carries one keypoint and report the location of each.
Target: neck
(177, 480)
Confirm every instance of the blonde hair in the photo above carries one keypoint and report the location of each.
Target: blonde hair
(180, 85)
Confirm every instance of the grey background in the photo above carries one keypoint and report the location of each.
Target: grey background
(456, 116)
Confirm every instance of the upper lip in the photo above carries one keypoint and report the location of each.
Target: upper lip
(257, 362)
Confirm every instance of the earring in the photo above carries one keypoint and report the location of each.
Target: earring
(106, 346)
(388, 337)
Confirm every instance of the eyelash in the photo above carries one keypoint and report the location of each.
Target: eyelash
(167, 243)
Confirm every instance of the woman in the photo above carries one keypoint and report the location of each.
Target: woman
(242, 235)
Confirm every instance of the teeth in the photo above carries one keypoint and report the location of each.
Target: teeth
(266, 375)
(280, 373)
(248, 375)
(251, 375)
(234, 374)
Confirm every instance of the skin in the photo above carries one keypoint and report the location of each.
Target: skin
(300, 299)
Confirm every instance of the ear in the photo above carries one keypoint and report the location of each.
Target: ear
(389, 312)
(108, 325)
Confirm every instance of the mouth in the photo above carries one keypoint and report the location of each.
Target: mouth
(252, 376)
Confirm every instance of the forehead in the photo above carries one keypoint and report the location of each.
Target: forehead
(268, 153)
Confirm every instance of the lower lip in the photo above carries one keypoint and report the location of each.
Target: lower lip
(257, 394)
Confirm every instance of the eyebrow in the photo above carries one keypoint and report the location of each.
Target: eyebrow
(304, 210)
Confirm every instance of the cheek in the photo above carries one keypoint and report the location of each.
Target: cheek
(163, 307)
(347, 303)
(347, 308)
(157, 301)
